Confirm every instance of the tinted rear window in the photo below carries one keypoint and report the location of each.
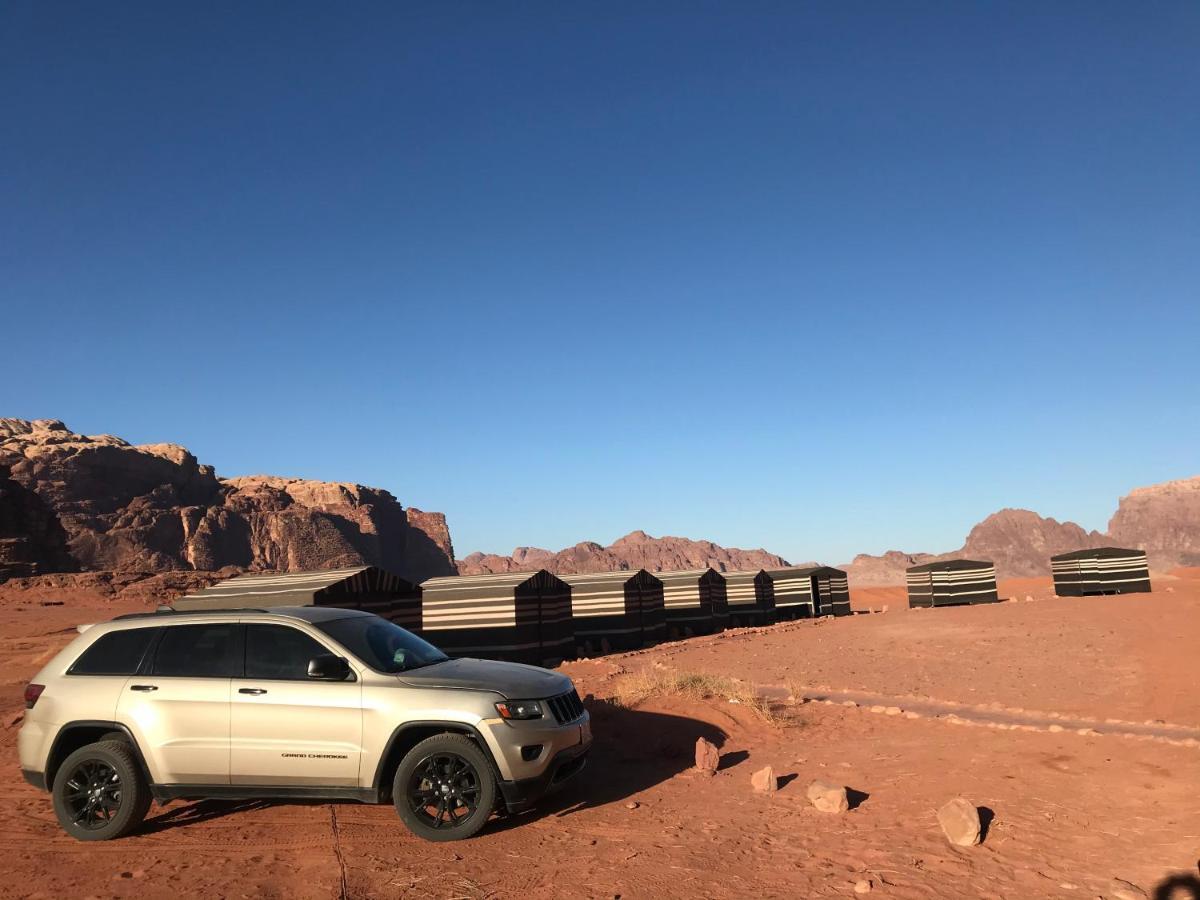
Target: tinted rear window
(199, 651)
(115, 653)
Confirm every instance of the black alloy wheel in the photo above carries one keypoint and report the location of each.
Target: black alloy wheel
(445, 788)
(93, 794)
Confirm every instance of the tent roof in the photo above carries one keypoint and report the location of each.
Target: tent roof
(801, 571)
(472, 582)
(952, 565)
(1098, 553)
(621, 577)
(292, 588)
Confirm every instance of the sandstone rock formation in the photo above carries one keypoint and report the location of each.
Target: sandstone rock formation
(1162, 519)
(1018, 541)
(32, 539)
(151, 508)
(636, 550)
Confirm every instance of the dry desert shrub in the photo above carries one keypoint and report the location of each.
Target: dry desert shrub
(638, 687)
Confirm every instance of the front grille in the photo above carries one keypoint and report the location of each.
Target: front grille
(566, 707)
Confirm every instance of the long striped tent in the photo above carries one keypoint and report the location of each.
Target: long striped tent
(694, 600)
(622, 609)
(953, 582)
(363, 587)
(1104, 570)
(518, 616)
(751, 598)
(792, 590)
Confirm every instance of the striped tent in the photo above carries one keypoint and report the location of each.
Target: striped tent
(804, 591)
(831, 588)
(792, 590)
(1104, 570)
(363, 587)
(623, 609)
(751, 598)
(694, 600)
(953, 582)
(518, 616)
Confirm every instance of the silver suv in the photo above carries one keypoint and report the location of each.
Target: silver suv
(304, 702)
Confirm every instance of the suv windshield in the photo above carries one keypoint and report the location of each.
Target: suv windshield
(382, 645)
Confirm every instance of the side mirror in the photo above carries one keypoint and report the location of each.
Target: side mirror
(328, 667)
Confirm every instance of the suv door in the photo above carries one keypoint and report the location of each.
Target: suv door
(178, 705)
(286, 727)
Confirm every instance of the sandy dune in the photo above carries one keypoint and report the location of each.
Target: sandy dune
(1071, 811)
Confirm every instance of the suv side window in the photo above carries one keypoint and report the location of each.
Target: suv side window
(279, 652)
(115, 653)
(199, 651)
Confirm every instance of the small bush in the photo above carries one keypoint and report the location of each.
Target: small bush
(640, 686)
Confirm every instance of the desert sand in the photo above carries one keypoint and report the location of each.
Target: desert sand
(1073, 723)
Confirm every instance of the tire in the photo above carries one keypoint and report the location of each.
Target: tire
(444, 789)
(99, 792)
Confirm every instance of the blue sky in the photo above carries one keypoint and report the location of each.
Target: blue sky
(823, 277)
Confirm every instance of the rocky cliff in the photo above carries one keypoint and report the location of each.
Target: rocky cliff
(636, 550)
(150, 508)
(1163, 520)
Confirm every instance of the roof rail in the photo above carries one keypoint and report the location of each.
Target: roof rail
(170, 610)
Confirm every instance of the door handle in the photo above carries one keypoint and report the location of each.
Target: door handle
(255, 691)
(143, 687)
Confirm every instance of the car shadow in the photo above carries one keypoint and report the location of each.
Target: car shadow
(197, 811)
(633, 750)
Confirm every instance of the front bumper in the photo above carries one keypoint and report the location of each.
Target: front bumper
(522, 794)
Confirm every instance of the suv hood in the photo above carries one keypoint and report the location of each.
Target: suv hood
(513, 681)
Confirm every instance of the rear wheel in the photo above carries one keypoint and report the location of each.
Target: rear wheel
(444, 789)
(99, 792)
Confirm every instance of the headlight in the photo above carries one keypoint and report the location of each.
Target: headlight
(519, 709)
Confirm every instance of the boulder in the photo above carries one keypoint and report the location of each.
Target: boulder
(960, 821)
(764, 782)
(826, 797)
(708, 757)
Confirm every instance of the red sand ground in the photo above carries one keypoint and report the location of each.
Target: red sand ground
(1071, 811)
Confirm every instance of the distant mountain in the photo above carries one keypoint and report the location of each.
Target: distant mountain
(1163, 520)
(637, 550)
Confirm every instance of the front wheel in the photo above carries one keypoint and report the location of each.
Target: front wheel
(444, 789)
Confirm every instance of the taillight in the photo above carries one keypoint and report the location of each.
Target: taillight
(32, 692)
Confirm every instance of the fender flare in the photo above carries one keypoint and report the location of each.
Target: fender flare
(448, 725)
(102, 724)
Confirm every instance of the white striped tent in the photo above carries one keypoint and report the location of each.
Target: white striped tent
(624, 609)
(751, 598)
(953, 582)
(519, 616)
(362, 587)
(1103, 570)
(694, 600)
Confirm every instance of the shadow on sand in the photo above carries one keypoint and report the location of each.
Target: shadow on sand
(1180, 886)
(633, 751)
